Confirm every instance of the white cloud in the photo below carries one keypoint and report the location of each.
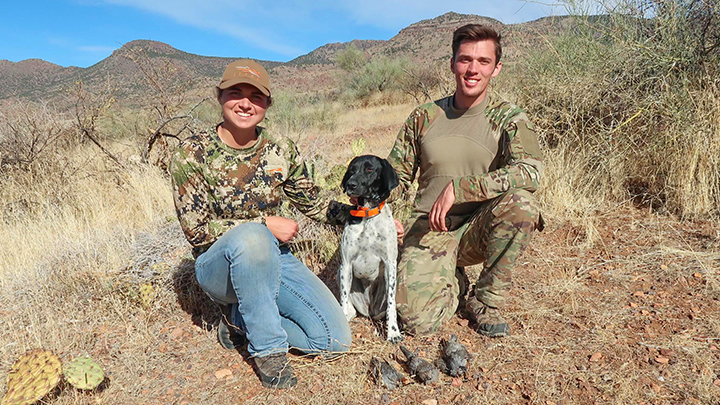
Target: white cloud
(248, 22)
(279, 26)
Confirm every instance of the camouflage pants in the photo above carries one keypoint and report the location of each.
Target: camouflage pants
(429, 284)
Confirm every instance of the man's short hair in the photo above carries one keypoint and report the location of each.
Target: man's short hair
(476, 32)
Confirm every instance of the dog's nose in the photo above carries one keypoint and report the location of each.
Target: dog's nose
(350, 186)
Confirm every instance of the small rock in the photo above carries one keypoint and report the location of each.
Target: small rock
(596, 356)
(430, 402)
(456, 382)
(662, 360)
(223, 373)
(667, 352)
(177, 333)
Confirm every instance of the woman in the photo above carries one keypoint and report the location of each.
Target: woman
(229, 183)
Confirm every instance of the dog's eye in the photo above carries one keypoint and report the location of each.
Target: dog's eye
(369, 170)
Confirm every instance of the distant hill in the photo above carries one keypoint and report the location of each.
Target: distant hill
(425, 41)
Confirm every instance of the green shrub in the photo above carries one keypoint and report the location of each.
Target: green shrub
(351, 59)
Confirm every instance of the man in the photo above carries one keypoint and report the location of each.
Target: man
(479, 163)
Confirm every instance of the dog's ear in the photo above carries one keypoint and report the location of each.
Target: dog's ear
(389, 175)
(345, 179)
(388, 180)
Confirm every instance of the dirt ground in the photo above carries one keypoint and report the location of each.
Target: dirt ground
(630, 318)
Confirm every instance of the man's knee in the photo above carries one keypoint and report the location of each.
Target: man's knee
(518, 206)
(423, 312)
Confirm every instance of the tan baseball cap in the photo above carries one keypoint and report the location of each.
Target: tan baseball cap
(246, 71)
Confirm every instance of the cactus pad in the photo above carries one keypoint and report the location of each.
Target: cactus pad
(147, 294)
(358, 146)
(335, 177)
(32, 377)
(84, 373)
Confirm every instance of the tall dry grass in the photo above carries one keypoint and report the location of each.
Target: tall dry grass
(627, 106)
(51, 217)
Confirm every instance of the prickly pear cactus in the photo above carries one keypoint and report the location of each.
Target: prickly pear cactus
(358, 146)
(147, 294)
(32, 377)
(335, 177)
(84, 373)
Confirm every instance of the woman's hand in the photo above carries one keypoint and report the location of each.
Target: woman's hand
(284, 229)
(400, 230)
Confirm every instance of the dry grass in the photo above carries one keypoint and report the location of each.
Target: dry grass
(614, 303)
(71, 284)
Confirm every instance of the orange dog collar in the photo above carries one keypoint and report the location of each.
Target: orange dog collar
(365, 212)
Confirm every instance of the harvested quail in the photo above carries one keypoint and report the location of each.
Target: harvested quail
(454, 357)
(425, 372)
(384, 373)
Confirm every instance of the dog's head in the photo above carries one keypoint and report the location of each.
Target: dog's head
(369, 178)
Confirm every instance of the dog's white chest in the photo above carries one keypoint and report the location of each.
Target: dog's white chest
(369, 243)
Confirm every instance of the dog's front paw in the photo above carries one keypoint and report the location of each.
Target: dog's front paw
(349, 312)
(394, 338)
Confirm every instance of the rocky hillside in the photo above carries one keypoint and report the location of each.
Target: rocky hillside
(424, 41)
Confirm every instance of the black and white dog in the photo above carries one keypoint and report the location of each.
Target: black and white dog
(367, 274)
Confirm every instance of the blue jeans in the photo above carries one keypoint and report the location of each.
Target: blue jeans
(280, 302)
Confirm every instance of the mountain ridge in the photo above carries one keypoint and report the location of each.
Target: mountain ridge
(425, 41)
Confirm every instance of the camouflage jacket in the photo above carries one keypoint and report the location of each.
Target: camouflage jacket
(216, 187)
(515, 159)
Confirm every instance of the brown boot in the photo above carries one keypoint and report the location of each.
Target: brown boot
(229, 335)
(488, 320)
(275, 371)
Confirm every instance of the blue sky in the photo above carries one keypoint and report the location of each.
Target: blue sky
(83, 32)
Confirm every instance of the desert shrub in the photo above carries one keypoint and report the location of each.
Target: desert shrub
(28, 132)
(351, 59)
(379, 75)
(631, 100)
(370, 77)
(426, 82)
(294, 113)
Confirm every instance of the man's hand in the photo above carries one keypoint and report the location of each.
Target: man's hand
(400, 230)
(442, 205)
(283, 228)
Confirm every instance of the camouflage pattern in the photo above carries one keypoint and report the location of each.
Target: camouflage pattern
(505, 215)
(429, 284)
(518, 164)
(216, 187)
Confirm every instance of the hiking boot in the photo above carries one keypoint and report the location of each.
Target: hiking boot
(488, 320)
(275, 371)
(229, 335)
